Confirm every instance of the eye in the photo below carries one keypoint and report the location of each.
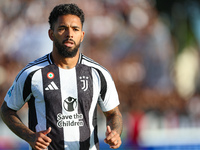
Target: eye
(76, 29)
(61, 29)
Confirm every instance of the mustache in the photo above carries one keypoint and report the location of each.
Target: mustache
(67, 40)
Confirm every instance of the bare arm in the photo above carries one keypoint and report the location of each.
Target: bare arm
(12, 120)
(114, 120)
(114, 127)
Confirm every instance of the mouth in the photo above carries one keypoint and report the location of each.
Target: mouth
(68, 43)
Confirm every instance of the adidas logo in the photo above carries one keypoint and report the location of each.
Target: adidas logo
(51, 86)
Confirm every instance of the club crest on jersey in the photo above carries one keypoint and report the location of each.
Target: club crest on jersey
(84, 81)
(50, 75)
(70, 104)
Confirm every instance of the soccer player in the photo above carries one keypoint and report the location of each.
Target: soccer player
(62, 90)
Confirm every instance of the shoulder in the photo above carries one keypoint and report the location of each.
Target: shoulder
(34, 66)
(93, 64)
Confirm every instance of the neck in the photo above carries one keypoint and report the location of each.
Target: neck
(65, 63)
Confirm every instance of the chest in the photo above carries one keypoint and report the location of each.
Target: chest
(53, 84)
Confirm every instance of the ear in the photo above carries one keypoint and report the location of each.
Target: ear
(51, 36)
(82, 37)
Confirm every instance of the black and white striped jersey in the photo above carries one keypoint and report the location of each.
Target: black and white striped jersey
(65, 100)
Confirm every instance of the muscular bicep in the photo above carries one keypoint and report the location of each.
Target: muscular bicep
(12, 120)
(6, 112)
(114, 119)
(113, 112)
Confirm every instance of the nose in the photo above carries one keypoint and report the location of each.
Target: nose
(69, 33)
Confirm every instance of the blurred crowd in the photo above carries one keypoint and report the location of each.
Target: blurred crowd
(152, 55)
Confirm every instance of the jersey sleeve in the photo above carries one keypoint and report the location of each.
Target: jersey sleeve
(14, 97)
(108, 98)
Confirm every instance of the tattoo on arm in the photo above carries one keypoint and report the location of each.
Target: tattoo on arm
(15, 124)
(114, 120)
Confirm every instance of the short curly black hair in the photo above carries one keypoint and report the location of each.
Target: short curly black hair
(64, 9)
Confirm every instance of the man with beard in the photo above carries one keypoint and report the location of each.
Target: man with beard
(47, 82)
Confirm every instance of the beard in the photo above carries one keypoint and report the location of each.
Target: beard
(65, 51)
